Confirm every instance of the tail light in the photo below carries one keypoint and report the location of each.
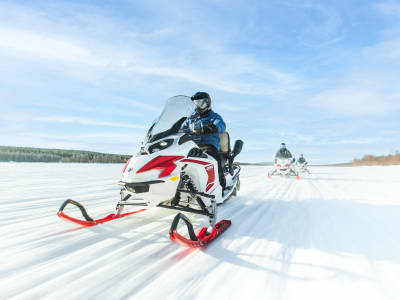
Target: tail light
(164, 163)
(126, 165)
(278, 165)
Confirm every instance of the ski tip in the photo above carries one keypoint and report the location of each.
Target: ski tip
(204, 237)
(84, 223)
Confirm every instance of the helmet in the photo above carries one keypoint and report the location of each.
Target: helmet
(301, 155)
(202, 101)
(283, 146)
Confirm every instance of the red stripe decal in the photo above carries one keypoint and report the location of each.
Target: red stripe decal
(164, 163)
(211, 174)
(195, 161)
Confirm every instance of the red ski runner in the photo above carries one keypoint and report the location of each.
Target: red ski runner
(89, 221)
(203, 238)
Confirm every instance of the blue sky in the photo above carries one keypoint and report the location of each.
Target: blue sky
(322, 76)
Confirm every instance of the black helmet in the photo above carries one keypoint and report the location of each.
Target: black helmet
(283, 146)
(202, 101)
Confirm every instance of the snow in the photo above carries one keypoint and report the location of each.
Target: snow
(330, 235)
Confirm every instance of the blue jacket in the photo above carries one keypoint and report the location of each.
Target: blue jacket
(196, 121)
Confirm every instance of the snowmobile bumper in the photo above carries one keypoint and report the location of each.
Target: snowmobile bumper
(150, 193)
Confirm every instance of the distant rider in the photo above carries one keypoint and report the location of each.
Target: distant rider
(207, 126)
(301, 159)
(283, 152)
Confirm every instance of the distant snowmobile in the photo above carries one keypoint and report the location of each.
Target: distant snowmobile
(171, 171)
(284, 163)
(302, 165)
(283, 167)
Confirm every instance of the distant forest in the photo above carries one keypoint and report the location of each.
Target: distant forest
(370, 160)
(27, 154)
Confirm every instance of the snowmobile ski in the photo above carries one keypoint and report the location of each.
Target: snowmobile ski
(88, 222)
(203, 238)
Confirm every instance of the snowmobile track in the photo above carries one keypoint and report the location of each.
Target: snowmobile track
(331, 235)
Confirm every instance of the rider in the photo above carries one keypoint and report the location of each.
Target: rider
(283, 152)
(301, 159)
(207, 126)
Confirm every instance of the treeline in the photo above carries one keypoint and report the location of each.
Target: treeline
(371, 160)
(27, 154)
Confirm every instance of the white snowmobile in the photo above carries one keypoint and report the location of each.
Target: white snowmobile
(302, 167)
(171, 171)
(283, 167)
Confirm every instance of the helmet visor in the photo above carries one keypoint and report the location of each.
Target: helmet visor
(200, 103)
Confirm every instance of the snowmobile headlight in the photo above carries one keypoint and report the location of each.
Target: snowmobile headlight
(160, 145)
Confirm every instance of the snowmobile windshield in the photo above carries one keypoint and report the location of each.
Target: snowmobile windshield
(175, 112)
(281, 160)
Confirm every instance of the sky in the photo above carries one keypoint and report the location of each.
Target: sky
(321, 76)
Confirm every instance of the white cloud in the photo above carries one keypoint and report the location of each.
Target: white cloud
(136, 104)
(234, 73)
(321, 23)
(356, 101)
(362, 141)
(227, 107)
(75, 120)
(387, 51)
(389, 8)
(45, 46)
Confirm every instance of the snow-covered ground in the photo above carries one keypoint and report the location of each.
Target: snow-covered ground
(333, 235)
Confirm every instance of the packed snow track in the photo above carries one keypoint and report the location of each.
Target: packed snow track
(330, 235)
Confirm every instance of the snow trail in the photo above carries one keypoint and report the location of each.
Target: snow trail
(330, 235)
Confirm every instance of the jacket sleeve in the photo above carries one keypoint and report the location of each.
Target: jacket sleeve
(219, 122)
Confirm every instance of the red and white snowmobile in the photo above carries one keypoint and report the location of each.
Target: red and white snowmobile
(283, 167)
(171, 171)
(302, 167)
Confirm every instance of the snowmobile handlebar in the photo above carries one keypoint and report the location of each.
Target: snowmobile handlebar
(80, 206)
(194, 134)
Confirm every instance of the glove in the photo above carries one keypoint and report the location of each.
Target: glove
(209, 129)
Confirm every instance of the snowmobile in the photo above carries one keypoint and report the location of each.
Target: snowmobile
(302, 167)
(283, 167)
(171, 171)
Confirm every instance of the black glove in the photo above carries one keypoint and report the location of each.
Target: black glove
(209, 129)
